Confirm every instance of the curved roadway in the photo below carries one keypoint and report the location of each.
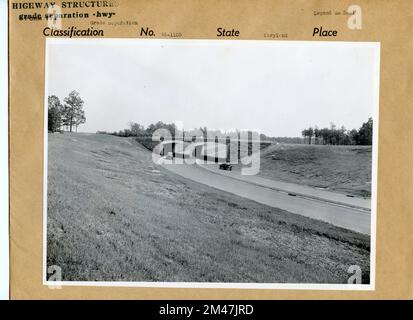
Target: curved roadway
(339, 213)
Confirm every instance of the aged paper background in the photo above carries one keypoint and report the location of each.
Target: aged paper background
(388, 22)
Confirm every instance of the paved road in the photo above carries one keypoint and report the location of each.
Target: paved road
(297, 189)
(343, 215)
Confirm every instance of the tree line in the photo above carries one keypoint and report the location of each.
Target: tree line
(68, 115)
(312, 135)
(138, 130)
(340, 136)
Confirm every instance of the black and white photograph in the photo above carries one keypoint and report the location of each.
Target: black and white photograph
(210, 163)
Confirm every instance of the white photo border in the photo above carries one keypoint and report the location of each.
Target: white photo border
(227, 285)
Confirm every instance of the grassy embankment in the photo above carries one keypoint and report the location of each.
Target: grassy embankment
(114, 215)
(343, 169)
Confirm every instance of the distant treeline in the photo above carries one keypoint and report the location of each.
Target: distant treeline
(137, 130)
(293, 140)
(144, 135)
(312, 135)
(340, 136)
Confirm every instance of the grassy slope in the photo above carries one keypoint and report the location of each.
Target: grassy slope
(113, 215)
(345, 169)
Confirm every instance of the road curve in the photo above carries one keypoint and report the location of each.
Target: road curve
(297, 189)
(337, 214)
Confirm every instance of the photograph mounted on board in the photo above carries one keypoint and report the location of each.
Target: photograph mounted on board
(206, 163)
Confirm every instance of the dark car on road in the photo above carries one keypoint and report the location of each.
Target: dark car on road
(225, 166)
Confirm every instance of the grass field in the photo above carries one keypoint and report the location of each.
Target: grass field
(344, 169)
(114, 215)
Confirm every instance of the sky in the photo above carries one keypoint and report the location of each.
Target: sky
(275, 87)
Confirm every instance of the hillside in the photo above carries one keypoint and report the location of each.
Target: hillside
(115, 216)
(344, 169)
